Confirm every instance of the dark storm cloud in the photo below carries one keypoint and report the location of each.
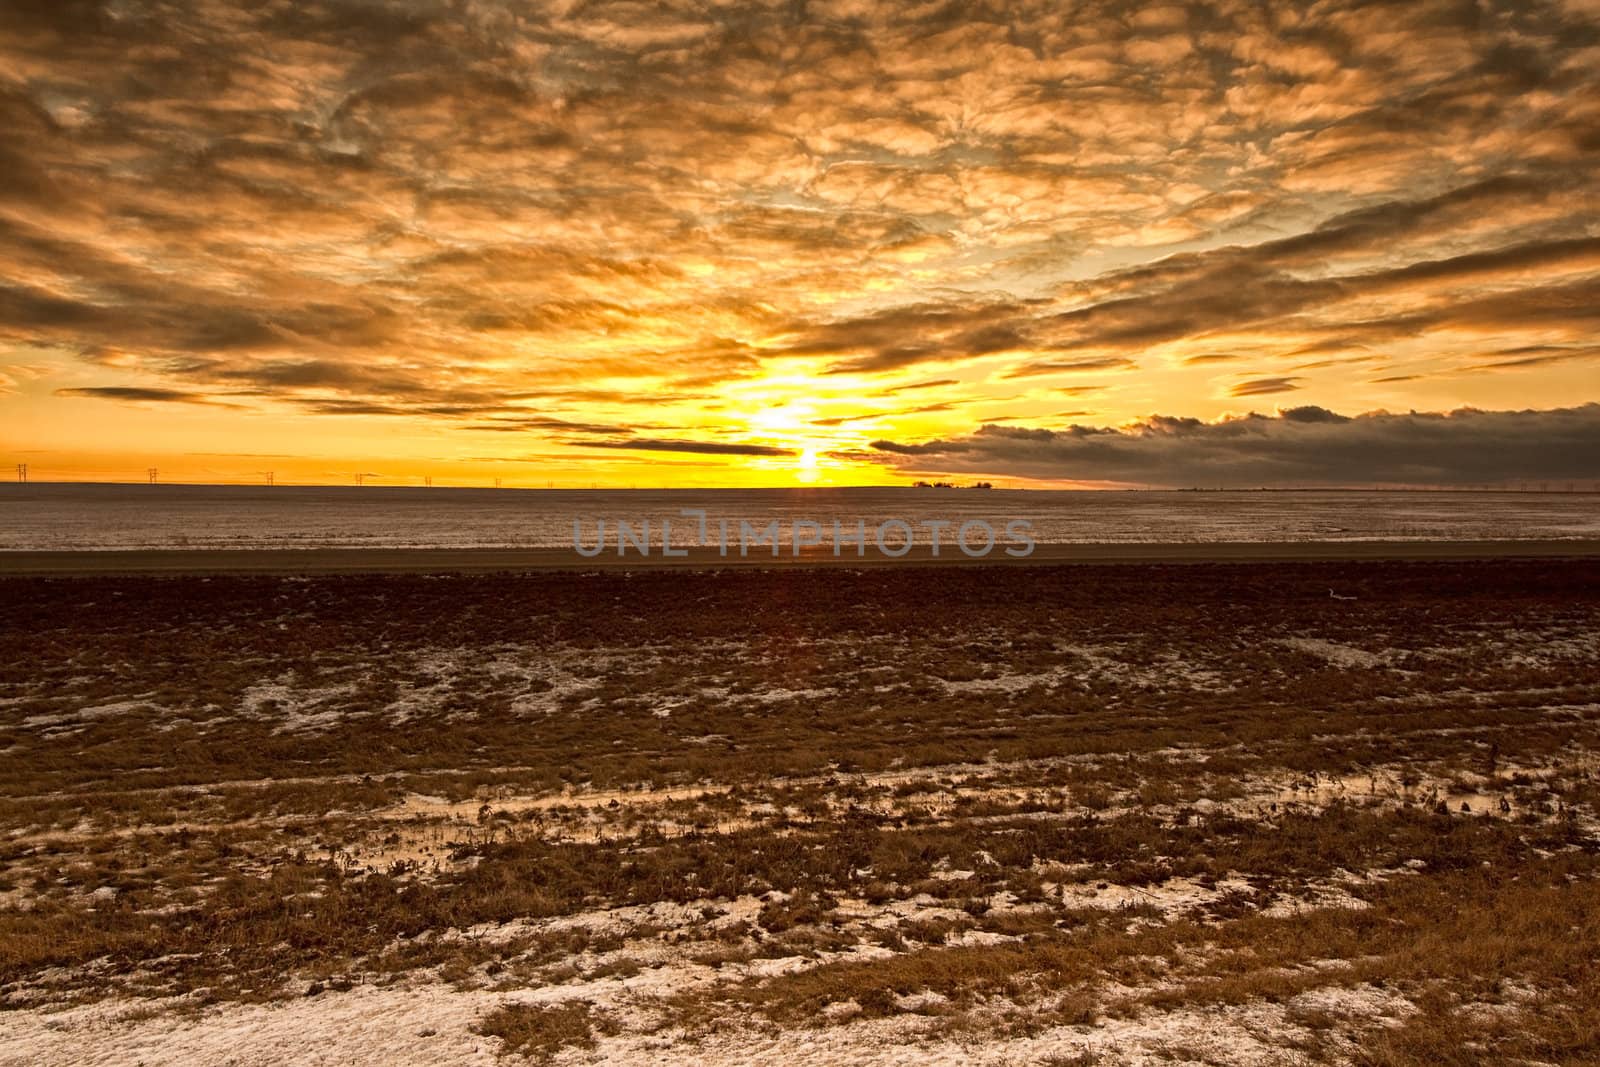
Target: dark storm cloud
(1301, 446)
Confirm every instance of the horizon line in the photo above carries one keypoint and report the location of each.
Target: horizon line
(1572, 489)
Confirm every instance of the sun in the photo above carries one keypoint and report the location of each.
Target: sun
(806, 466)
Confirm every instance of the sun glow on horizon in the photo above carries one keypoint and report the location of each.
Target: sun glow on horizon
(1037, 247)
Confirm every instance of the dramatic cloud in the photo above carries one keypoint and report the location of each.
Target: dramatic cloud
(1069, 366)
(134, 393)
(1264, 386)
(1307, 446)
(739, 219)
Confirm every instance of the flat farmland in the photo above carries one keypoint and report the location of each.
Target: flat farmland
(1241, 813)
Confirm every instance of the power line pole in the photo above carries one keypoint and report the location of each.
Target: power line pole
(151, 473)
(22, 472)
(427, 480)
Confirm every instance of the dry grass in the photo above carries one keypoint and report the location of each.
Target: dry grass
(540, 1031)
(1004, 803)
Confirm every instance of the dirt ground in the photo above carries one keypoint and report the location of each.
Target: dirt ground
(1231, 813)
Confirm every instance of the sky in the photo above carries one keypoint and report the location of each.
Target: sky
(696, 243)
